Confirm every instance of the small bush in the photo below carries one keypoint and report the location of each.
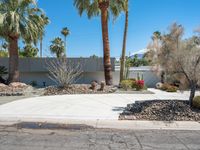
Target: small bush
(169, 88)
(133, 84)
(139, 85)
(145, 87)
(34, 83)
(172, 89)
(196, 102)
(126, 84)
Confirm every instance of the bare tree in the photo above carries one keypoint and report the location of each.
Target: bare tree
(63, 71)
(179, 59)
(162, 48)
(187, 62)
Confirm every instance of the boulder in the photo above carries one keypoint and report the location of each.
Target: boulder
(159, 85)
(2, 85)
(17, 85)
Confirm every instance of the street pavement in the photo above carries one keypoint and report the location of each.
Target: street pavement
(12, 138)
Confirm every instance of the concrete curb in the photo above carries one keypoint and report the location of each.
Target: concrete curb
(112, 124)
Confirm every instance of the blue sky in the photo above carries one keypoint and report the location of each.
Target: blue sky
(146, 16)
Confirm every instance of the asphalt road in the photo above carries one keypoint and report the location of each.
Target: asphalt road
(12, 138)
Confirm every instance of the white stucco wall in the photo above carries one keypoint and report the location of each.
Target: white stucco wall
(87, 77)
(33, 69)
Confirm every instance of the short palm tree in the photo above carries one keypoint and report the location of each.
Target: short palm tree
(19, 19)
(57, 47)
(65, 32)
(102, 8)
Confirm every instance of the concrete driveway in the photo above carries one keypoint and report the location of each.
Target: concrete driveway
(81, 107)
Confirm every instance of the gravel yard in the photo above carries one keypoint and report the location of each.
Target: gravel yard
(160, 110)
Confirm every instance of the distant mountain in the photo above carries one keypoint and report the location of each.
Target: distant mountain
(140, 53)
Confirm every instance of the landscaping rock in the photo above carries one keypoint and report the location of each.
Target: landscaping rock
(14, 89)
(161, 110)
(77, 89)
(159, 85)
(17, 85)
(102, 85)
(94, 85)
(3, 85)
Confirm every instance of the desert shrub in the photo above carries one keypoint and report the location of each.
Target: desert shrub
(172, 89)
(169, 88)
(196, 102)
(165, 86)
(64, 72)
(126, 84)
(132, 79)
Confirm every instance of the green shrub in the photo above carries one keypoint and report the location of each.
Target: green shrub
(196, 102)
(145, 87)
(133, 84)
(169, 88)
(3, 53)
(33, 83)
(126, 84)
(172, 89)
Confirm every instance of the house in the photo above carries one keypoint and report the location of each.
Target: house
(35, 69)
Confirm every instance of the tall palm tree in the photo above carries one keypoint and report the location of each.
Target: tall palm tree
(45, 22)
(57, 47)
(102, 8)
(65, 32)
(156, 37)
(123, 57)
(19, 19)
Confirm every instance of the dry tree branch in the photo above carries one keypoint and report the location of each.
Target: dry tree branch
(63, 71)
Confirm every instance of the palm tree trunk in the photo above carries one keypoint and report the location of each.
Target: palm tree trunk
(122, 65)
(106, 46)
(65, 46)
(13, 60)
(41, 39)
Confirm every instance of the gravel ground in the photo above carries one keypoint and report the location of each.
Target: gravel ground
(26, 93)
(160, 110)
(78, 89)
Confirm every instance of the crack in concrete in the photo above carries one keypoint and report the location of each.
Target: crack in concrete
(138, 140)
